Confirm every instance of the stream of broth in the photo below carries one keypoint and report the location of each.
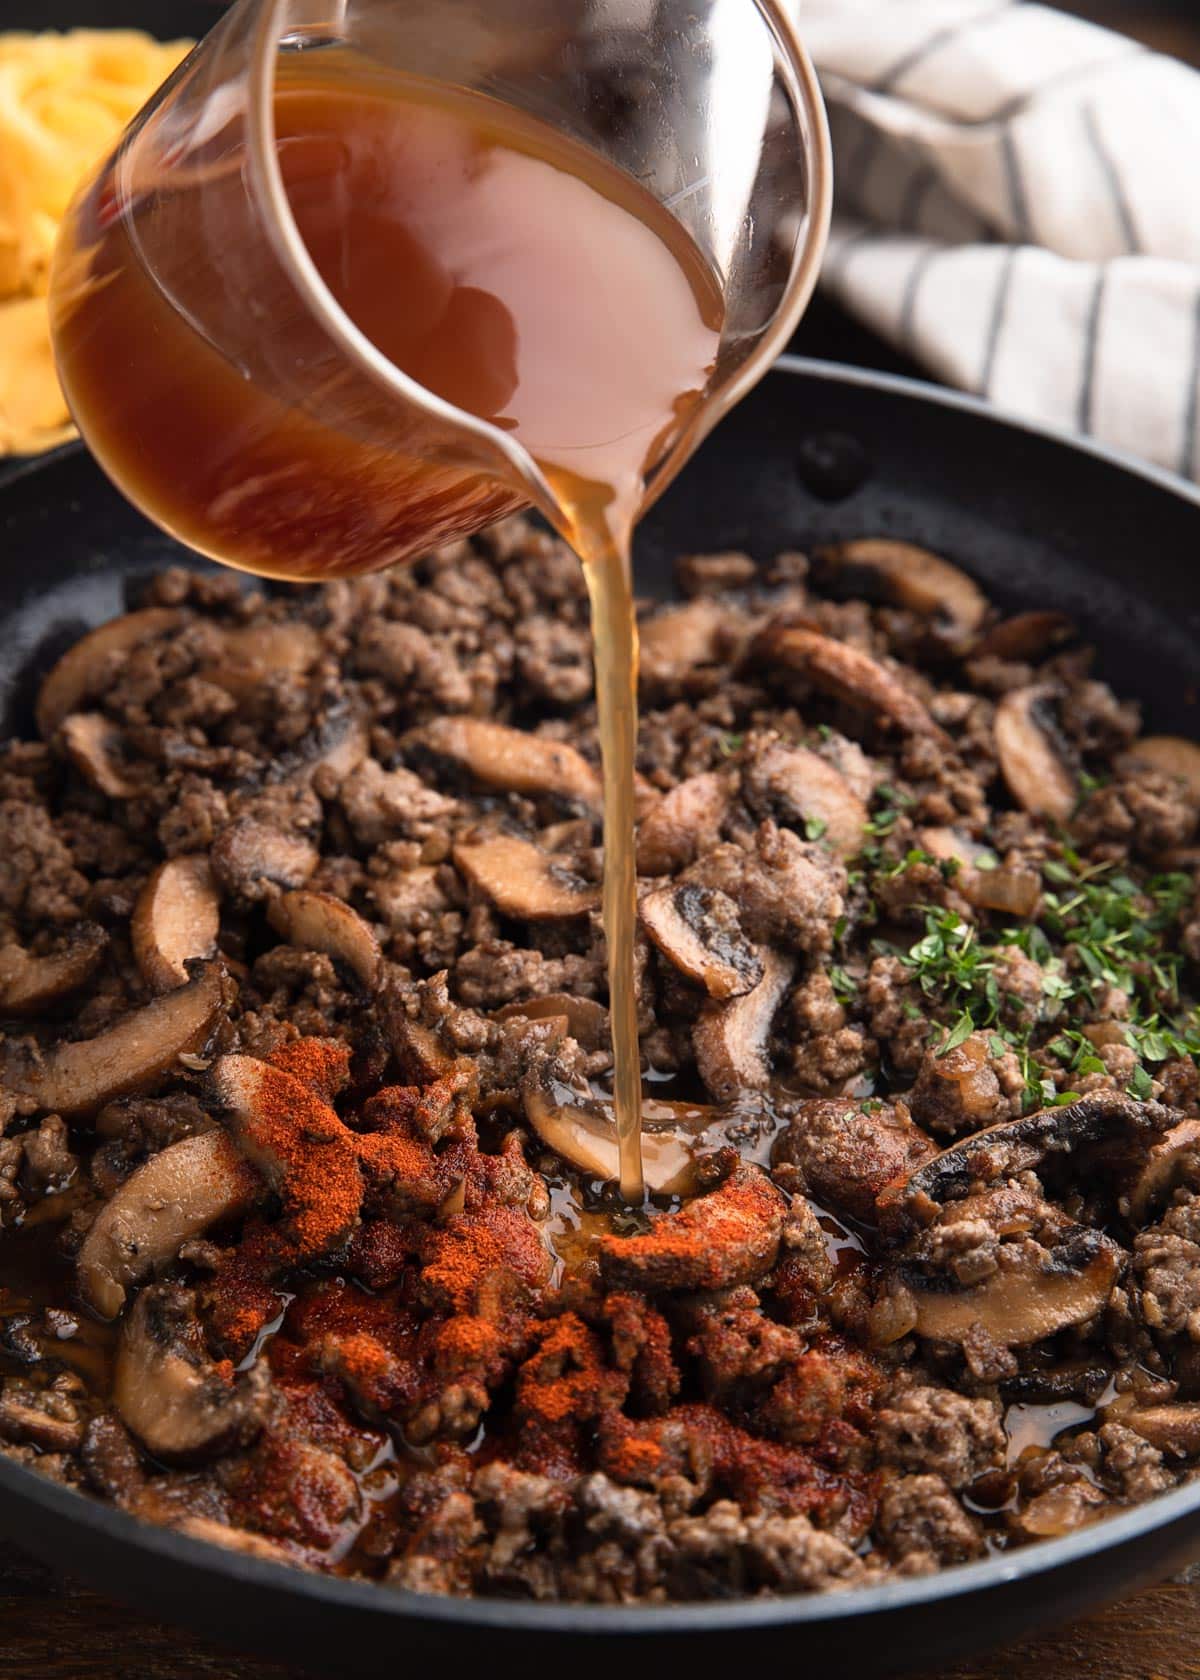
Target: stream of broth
(508, 269)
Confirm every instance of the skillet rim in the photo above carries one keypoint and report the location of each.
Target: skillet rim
(108, 1523)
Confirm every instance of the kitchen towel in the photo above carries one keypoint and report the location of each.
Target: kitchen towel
(1018, 209)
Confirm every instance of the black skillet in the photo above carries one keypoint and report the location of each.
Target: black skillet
(816, 451)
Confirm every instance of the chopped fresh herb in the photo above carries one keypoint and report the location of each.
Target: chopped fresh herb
(1141, 1085)
(912, 857)
(814, 827)
(729, 744)
(959, 1032)
(949, 963)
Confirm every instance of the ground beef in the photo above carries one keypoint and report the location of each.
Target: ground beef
(402, 1331)
(934, 1430)
(924, 1526)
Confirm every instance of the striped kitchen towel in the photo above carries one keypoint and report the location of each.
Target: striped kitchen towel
(1018, 208)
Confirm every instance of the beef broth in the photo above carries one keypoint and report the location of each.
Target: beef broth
(510, 271)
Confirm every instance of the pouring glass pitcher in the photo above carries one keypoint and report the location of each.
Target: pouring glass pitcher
(221, 384)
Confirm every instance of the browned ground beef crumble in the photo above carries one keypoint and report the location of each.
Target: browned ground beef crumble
(303, 983)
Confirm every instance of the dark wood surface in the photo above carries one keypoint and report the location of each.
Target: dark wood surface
(56, 1630)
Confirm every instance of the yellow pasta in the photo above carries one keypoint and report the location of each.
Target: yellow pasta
(64, 99)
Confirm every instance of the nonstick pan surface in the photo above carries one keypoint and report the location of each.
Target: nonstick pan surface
(816, 452)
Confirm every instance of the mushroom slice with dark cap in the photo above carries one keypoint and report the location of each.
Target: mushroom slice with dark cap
(580, 1127)
(174, 1196)
(96, 748)
(523, 881)
(169, 1393)
(132, 1055)
(1020, 1272)
(509, 760)
(336, 745)
(1033, 754)
(697, 929)
(1016, 1146)
(850, 675)
(177, 918)
(317, 921)
(799, 787)
(250, 857)
(86, 668)
(1173, 1160)
(883, 568)
(29, 983)
(731, 1039)
(727, 1237)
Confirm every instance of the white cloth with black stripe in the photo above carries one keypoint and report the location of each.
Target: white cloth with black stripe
(1018, 208)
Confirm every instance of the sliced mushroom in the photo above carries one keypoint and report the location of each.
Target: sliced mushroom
(1171, 756)
(253, 654)
(1013, 890)
(1044, 1273)
(523, 881)
(852, 676)
(1173, 1429)
(132, 1055)
(1033, 754)
(177, 918)
(87, 667)
(317, 921)
(681, 645)
(421, 1055)
(249, 857)
(697, 929)
(586, 1020)
(95, 747)
(29, 983)
(300, 1146)
(581, 1128)
(169, 1394)
(336, 746)
(728, 1237)
(1174, 1160)
(882, 568)
(730, 1040)
(510, 760)
(174, 1196)
(683, 823)
(1017, 1146)
(801, 788)
(1028, 635)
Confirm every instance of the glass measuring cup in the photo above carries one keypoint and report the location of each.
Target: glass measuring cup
(712, 105)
